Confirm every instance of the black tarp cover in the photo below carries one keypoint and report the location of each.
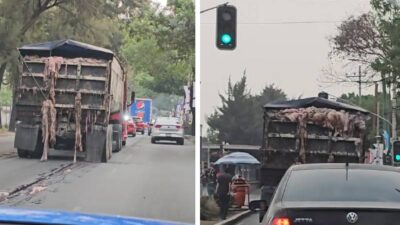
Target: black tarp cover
(314, 101)
(66, 48)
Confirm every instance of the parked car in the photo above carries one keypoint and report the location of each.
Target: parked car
(167, 128)
(140, 126)
(131, 127)
(334, 194)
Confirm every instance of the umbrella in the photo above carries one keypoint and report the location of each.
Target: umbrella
(238, 158)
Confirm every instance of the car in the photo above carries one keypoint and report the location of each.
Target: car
(140, 126)
(131, 127)
(12, 215)
(167, 128)
(334, 194)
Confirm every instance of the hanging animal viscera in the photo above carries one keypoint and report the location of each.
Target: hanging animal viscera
(78, 135)
(340, 122)
(50, 74)
(49, 114)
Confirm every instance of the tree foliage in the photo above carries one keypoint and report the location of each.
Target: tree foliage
(159, 47)
(239, 120)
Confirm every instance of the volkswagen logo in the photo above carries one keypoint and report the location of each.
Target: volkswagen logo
(352, 217)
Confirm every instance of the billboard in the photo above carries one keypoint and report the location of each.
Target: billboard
(142, 108)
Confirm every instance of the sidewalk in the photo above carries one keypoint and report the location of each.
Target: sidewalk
(5, 133)
(190, 138)
(236, 214)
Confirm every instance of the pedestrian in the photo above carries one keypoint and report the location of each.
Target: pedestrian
(203, 178)
(211, 182)
(223, 192)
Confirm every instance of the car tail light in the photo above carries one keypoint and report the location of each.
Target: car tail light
(281, 221)
(157, 126)
(178, 127)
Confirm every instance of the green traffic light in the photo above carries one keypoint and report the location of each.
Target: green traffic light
(397, 157)
(226, 39)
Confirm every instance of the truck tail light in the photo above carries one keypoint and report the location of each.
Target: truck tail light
(281, 221)
(157, 126)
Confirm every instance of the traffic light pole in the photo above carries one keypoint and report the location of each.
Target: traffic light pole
(206, 10)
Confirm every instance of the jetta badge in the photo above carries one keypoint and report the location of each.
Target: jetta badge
(352, 217)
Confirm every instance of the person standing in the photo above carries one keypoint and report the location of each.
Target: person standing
(223, 188)
(211, 182)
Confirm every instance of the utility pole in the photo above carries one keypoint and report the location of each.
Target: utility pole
(394, 108)
(375, 121)
(359, 76)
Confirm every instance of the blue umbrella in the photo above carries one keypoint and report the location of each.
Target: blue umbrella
(238, 158)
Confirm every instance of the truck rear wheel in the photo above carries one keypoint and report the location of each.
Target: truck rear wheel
(22, 153)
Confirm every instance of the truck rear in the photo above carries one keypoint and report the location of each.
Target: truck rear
(70, 96)
(311, 130)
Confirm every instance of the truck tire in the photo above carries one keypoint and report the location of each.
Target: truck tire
(22, 153)
(107, 150)
(180, 141)
(117, 137)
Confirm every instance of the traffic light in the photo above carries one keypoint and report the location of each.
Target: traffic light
(396, 151)
(226, 27)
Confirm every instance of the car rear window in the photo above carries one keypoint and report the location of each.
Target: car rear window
(166, 120)
(332, 185)
(137, 119)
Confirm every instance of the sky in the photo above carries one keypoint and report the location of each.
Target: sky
(291, 56)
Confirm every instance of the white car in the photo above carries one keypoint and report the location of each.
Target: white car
(169, 129)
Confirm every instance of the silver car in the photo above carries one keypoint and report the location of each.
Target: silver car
(169, 129)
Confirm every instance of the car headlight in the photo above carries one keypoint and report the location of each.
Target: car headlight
(126, 117)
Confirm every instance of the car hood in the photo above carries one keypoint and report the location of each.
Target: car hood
(340, 204)
(28, 216)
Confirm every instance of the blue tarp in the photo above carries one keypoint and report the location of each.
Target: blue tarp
(237, 158)
(66, 48)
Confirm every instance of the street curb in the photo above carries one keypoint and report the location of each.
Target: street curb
(6, 134)
(235, 218)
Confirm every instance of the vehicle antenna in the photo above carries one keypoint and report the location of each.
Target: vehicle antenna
(347, 165)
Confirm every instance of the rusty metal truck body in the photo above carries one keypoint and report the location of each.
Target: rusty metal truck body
(295, 138)
(93, 72)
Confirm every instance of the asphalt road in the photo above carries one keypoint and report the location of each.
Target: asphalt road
(251, 219)
(143, 180)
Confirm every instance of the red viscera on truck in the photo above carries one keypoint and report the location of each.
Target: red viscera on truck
(70, 96)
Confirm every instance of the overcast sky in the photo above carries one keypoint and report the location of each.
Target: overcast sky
(291, 56)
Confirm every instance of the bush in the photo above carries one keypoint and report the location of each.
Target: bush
(208, 209)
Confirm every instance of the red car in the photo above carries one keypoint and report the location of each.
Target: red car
(140, 126)
(131, 127)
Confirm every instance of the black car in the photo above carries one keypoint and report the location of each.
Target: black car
(334, 194)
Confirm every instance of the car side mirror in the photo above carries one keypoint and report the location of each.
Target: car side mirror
(133, 96)
(259, 206)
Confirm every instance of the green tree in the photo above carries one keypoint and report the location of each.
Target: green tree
(159, 47)
(239, 120)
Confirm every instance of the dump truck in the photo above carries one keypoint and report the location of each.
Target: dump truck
(70, 96)
(310, 130)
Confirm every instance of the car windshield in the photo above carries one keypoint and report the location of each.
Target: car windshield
(334, 185)
(75, 133)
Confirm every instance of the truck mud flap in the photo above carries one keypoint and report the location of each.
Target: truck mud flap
(26, 137)
(99, 144)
